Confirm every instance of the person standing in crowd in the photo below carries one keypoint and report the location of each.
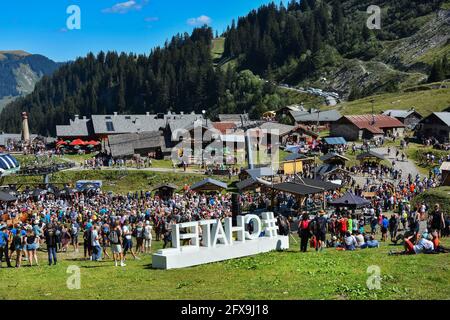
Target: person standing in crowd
(74, 231)
(320, 230)
(4, 237)
(303, 232)
(139, 237)
(393, 226)
(128, 241)
(167, 235)
(437, 222)
(18, 245)
(105, 239)
(87, 242)
(65, 238)
(115, 238)
(384, 228)
(31, 246)
(50, 240)
(148, 237)
(96, 248)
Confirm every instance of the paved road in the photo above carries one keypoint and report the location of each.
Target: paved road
(407, 166)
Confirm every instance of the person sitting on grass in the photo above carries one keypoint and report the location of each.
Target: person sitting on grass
(371, 243)
(359, 239)
(421, 245)
(333, 242)
(350, 241)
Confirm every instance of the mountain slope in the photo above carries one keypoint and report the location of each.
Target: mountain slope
(425, 99)
(319, 43)
(19, 73)
(326, 44)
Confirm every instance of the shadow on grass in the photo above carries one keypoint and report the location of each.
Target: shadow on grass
(95, 267)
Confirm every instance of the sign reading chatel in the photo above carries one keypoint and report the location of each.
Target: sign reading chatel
(217, 242)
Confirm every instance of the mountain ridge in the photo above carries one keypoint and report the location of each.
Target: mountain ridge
(19, 73)
(318, 43)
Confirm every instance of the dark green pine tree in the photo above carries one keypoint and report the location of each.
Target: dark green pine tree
(437, 72)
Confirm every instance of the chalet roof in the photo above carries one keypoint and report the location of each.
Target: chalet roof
(445, 166)
(327, 169)
(260, 172)
(294, 156)
(400, 113)
(165, 186)
(76, 128)
(350, 200)
(209, 184)
(127, 144)
(333, 155)
(374, 123)
(443, 116)
(223, 127)
(335, 140)
(236, 118)
(116, 124)
(282, 129)
(250, 182)
(317, 183)
(370, 154)
(314, 115)
(297, 188)
(14, 137)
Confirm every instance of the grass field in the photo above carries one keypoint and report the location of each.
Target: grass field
(424, 101)
(121, 181)
(217, 48)
(289, 275)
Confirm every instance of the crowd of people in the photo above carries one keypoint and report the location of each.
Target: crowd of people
(389, 215)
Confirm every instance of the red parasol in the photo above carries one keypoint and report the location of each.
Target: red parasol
(77, 142)
(61, 143)
(93, 143)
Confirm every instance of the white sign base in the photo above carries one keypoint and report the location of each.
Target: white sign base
(189, 256)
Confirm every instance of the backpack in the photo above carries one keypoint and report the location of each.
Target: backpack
(322, 224)
(87, 236)
(17, 241)
(114, 237)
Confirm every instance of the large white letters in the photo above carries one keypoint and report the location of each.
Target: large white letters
(216, 243)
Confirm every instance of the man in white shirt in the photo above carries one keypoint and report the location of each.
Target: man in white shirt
(95, 238)
(422, 245)
(148, 237)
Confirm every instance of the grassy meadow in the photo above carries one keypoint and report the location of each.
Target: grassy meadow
(291, 275)
(425, 100)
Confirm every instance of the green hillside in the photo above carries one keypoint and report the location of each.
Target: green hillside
(424, 99)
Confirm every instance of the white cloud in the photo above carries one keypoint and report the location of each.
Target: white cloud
(199, 21)
(124, 7)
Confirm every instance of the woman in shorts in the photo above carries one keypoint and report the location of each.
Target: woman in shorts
(31, 245)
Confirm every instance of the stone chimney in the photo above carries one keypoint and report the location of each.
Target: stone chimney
(25, 129)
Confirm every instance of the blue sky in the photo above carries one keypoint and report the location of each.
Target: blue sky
(39, 26)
